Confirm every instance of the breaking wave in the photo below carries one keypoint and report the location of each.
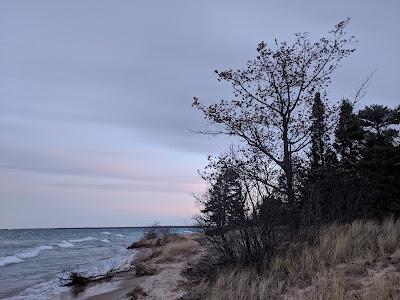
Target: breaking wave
(85, 239)
(8, 260)
(19, 257)
(65, 244)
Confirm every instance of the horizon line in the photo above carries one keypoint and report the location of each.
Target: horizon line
(106, 227)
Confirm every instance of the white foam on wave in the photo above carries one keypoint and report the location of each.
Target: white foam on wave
(49, 290)
(33, 252)
(89, 238)
(105, 232)
(19, 257)
(52, 290)
(8, 260)
(120, 235)
(105, 241)
(117, 263)
(65, 244)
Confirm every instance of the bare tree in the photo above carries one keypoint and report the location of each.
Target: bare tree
(273, 95)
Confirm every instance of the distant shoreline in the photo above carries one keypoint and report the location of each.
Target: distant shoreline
(110, 227)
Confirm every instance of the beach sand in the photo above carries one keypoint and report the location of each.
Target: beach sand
(115, 288)
(167, 282)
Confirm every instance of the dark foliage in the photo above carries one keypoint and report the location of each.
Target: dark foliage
(285, 174)
(319, 134)
(349, 135)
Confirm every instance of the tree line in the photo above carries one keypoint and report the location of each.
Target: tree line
(298, 160)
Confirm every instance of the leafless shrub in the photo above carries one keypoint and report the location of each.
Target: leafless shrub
(311, 264)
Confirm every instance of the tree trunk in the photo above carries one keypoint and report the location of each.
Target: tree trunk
(287, 163)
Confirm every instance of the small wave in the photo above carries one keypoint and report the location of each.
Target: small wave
(17, 258)
(105, 232)
(42, 291)
(89, 238)
(33, 252)
(115, 264)
(105, 241)
(8, 260)
(120, 235)
(65, 244)
(52, 290)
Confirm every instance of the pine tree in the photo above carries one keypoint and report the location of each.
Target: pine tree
(349, 134)
(379, 122)
(381, 160)
(318, 133)
(225, 205)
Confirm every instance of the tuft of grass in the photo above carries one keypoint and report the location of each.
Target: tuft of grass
(135, 293)
(142, 269)
(308, 266)
(384, 289)
(151, 241)
(168, 248)
(172, 250)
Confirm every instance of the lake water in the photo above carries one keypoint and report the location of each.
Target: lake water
(31, 260)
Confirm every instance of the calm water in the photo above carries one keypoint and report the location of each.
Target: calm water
(31, 260)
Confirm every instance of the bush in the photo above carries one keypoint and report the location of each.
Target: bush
(153, 236)
(312, 262)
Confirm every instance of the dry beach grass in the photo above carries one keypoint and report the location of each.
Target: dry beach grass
(161, 264)
(355, 261)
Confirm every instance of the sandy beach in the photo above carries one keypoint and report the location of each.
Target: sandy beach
(115, 288)
(156, 274)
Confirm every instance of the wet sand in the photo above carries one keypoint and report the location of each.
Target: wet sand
(115, 288)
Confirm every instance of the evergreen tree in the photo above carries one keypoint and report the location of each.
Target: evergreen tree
(349, 134)
(378, 120)
(319, 135)
(381, 160)
(225, 204)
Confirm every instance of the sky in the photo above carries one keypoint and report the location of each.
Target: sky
(96, 123)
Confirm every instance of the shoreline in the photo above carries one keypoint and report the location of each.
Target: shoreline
(114, 288)
(156, 273)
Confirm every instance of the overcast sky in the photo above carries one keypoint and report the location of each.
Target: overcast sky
(95, 97)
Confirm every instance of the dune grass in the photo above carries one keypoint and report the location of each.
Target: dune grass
(307, 269)
(166, 248)
(173, 250)
(151, 241)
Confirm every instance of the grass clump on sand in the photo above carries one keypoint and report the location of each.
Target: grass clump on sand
(155, 236)
(135, 293)
(142, 269)
(353, 261)
(157, 241)
(168, 249)
(165, 246)
(174, 249)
